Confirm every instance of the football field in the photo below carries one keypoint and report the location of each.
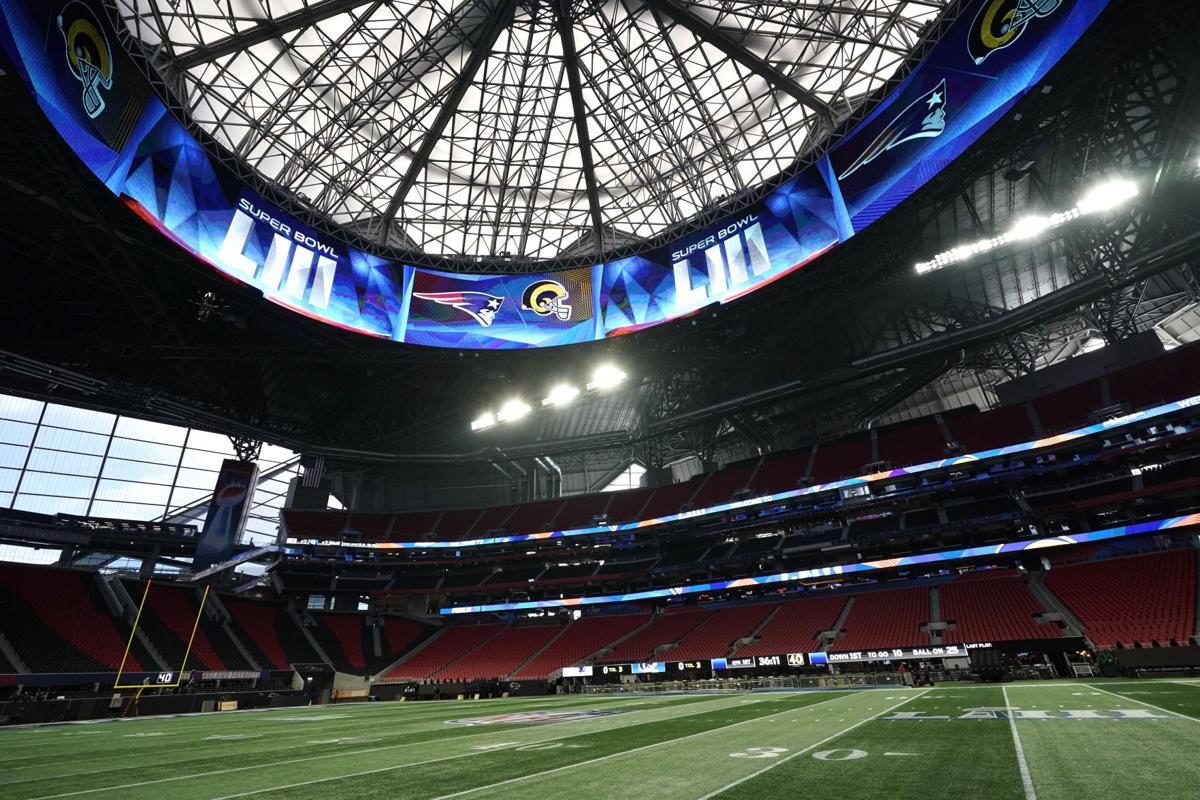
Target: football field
(1095, 740)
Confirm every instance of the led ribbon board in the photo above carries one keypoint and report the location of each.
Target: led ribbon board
(791, 494)
(890, 654)
(1171, 523)
(70, 59)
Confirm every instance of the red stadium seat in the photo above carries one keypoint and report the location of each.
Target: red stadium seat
(795, 626)
(581, 639)
(992, 608)
(1139, 599)
(716, 635)
(56, 625)
(341, 636)
(268, 628)
(911, 443)
(499, 656)
(175, 610)
(452, 643)
(667, 628)
(886, 618)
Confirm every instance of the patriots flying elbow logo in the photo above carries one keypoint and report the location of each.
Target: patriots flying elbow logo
(923, 118)
(480, 306)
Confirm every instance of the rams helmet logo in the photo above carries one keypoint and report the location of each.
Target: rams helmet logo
(88, 55)
(999, 23)
(547, 298)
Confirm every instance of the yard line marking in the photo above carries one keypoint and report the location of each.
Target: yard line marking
(291, 740)
(610, 756)
(430, 761)
(1026, 780)
(826, 740)
(340, 754)
(1149, 705)
(421, 719)
(375, 771)
(47, 727)
(425, 721)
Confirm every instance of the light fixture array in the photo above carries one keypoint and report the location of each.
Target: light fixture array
(1100, 198)
(605, 377)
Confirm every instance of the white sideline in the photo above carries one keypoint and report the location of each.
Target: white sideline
(1147, 705)
(627, 752)
(340, 754)
(788, 758)
(1026, 780)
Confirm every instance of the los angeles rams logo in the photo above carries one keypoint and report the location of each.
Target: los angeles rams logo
(999, 23)
(88, 54)
(547, 298)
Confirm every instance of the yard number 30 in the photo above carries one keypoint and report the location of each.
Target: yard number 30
(760, 752)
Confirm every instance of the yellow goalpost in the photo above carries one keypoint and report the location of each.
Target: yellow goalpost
(133, 632)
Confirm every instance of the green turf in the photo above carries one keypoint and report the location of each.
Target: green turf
(1121, 738)
(1107, 759)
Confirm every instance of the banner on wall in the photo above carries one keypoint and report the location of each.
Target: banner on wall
(498, 311)
(227, 513)
(298, 267)
(69, 57)
(794, 225)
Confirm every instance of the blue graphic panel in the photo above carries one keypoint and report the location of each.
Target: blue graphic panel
(990, 58)
(794, 225)
(298, 267)
(495, 311)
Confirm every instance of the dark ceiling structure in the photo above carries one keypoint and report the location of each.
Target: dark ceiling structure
(103, 311)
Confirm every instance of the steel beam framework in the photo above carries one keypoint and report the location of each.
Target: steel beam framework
(350, 147)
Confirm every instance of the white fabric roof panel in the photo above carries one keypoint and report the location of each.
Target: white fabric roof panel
(336, 99)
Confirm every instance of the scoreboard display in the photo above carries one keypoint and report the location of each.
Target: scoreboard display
(577, 672)
(896, 654)
(650, 668)
(69, 58)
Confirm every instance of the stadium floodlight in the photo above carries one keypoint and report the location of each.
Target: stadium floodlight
(561, 395)
(513, 410)
(606, 376)
(1028, 227)
(1100, 198)
(1107, 196)
(486, 420)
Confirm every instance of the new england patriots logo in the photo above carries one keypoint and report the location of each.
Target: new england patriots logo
(481, 307)
(923, 118)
